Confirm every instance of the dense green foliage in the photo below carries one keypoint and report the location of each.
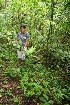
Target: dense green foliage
(46, 74)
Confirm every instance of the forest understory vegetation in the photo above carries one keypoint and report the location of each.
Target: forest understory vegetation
(44, 79)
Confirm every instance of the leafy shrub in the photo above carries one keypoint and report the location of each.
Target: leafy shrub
(12, 72)
(29, 87)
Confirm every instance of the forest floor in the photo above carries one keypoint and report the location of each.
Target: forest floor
(11, 94)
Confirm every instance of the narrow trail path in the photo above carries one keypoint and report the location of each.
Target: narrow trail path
(8, 90)
(11, 94)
